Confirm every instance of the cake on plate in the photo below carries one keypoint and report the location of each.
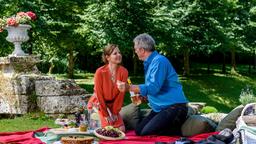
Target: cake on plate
(77, 140)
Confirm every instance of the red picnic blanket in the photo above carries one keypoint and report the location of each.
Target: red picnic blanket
(24, 137)
(131, 138)
(27, 137)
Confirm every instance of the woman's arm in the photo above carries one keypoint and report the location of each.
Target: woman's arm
(118, 102)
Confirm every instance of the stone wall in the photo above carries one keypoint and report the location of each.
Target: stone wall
(24, 89)
(27, 92)
(58, 96)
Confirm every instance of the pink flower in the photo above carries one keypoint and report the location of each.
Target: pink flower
(21, 14)
(11, 21)
(19, 18)
(31, 15)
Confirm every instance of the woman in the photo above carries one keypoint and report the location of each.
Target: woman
(106, 93)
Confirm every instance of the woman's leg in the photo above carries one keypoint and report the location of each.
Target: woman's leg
(122, 128)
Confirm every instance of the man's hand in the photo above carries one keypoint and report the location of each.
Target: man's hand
(144, 99)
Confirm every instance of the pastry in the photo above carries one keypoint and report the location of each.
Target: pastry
(77, 140)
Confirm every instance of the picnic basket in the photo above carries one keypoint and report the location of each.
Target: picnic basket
(246, 124)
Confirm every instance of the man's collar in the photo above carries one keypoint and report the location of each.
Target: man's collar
(150, 57)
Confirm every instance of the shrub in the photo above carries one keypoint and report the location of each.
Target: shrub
(247, 96)
(208, 109)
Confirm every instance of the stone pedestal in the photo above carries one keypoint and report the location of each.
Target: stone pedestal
(24, 89)
(15, 65)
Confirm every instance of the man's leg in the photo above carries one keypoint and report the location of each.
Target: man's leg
(141, 124)
(166, 122)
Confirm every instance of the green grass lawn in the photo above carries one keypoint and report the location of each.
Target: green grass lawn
(215, 89)
(25, 123)
(218, 90)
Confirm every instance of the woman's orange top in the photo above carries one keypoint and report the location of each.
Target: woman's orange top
(106, 90)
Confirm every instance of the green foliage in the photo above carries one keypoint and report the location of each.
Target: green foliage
(62, 116)
(72, 124)
(247, 96)
(37, 116)
(70, 34)
(208, 109)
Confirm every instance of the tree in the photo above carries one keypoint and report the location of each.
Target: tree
(250, 34)
(63, 20)
(116, 22)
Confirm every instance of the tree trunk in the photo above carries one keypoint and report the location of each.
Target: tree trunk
(71, 63)
(51, 68)
(233, 61)
(251, 63)
(186, 61)
(254, 64)
(224, 63)
(249, 68)
(208, 66)
(135, 64)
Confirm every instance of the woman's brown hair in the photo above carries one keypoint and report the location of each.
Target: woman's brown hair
(107, 51)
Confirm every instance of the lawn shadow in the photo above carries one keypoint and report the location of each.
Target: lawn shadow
(87, 87)
(220, 91)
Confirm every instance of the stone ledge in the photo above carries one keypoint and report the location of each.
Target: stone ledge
(59, 104)
(19, 64)
(20, 59)
(58, 88)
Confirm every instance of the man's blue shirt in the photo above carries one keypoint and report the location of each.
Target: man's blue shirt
(162, 86)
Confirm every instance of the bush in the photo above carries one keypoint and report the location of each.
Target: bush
(37, 116)
(247, 96)
(208, 109)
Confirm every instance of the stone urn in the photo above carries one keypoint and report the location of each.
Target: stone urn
(17, 35)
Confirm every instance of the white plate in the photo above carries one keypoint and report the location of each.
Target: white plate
(109, 138)
(69, 131)
(61, 122)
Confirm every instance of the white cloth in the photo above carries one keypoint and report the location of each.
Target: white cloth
(247, 133)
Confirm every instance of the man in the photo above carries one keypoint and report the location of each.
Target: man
(162, 90)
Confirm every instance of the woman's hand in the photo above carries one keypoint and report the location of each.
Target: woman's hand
(115, 117)
(109, 120)
(121, 86)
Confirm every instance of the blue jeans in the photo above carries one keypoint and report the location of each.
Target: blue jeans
(165, 122)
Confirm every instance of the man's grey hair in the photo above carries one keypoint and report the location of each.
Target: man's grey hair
(145, 41)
